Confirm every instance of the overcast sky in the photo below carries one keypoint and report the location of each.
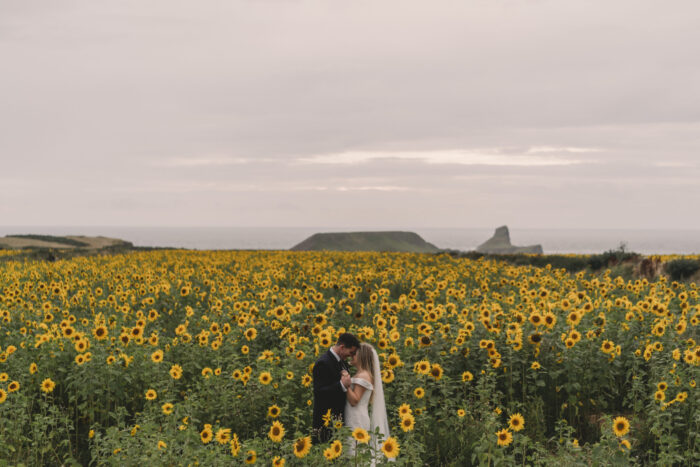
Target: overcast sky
(393, 114)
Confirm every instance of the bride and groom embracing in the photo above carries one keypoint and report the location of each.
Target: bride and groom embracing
(348, 398)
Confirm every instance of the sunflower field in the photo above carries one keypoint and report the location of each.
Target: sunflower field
(176, 357)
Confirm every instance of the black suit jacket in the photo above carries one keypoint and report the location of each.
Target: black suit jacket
(328, 393)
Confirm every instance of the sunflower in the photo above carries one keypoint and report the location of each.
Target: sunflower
(422, 367)
(387, 376)
(550, 319)
(251, 334)
(621, 426)
(157, 356)
(360, 435)
(276, 432)
(535, 365)
(250, 457)
(536, 319)
(419, 393)
(390, 447)
(206, 435)
(167, 408)
(329, 454)
(407, 423)
(3, 396)
(424, 341)
(278, 461)
(516, 422)
(504, 437)
(162, 445)
(47, 385)
(100, 333)
(302, 446)
(33, 368)
(607, 346)
(436, 371)
(461, 413)
(273, 411)
(235, 445)
(659, 396)
(13, 386)
(393, 361)
(176, 371)
(404, 409)
(265, 377)
(223, 435)
(467, 376)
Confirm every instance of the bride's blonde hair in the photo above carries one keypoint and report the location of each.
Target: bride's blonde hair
(365, 360)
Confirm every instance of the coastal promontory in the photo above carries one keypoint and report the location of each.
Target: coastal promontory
(500, 244)
(367, 241)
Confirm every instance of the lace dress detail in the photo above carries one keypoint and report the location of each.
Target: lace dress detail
(358, 416)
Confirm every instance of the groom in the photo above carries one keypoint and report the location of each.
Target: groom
(331, 380)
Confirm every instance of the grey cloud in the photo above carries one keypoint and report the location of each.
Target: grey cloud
(167, 111)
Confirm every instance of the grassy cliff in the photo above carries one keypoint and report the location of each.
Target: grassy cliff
(367, 241)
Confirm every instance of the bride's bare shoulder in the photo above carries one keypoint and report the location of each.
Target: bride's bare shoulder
(364, 375)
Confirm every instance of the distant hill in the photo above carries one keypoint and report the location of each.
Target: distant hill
(500, 244)
(51, 241)
(367, 241)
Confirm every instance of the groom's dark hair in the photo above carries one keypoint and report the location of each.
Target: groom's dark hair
(348, 340)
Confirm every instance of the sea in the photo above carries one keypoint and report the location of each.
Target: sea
(553, 241)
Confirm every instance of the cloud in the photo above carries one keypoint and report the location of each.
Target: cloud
(191, 186)
(674, 165)
(492, 157)
(558, 149)
(201, 161)
(375, 188)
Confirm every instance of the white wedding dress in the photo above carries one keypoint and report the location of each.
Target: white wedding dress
(360, 416)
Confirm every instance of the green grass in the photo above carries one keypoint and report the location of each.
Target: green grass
(52, 238)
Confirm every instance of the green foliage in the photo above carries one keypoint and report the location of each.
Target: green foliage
(681, 269)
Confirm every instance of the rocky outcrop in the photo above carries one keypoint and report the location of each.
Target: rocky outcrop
(500, 244)
(367, 241)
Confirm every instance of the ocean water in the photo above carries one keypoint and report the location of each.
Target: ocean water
(281, 238)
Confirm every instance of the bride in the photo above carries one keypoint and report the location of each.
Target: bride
(366, 387)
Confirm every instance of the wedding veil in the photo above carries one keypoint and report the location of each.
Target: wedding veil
(378, 417)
